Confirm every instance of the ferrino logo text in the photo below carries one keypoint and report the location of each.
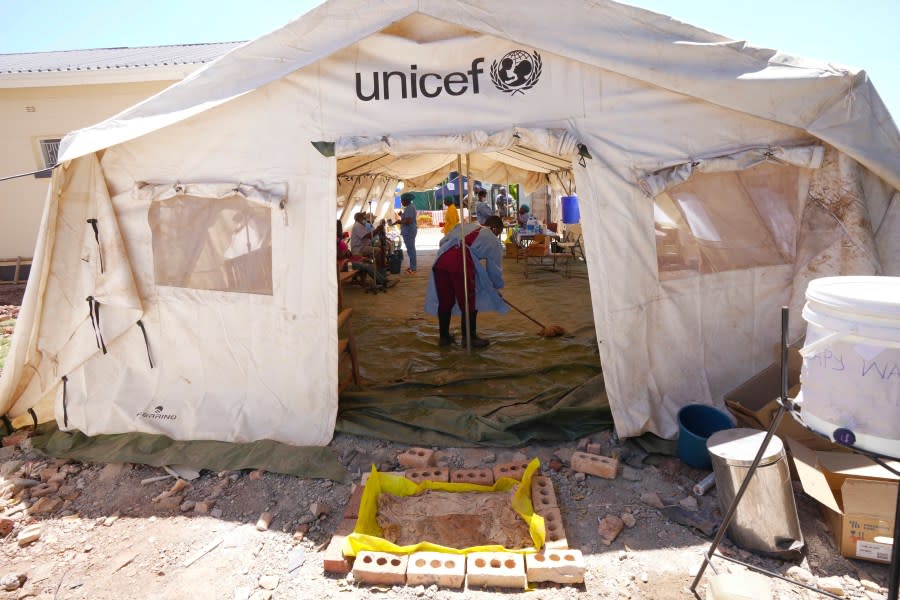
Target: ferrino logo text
(157, 414)
(515, 73)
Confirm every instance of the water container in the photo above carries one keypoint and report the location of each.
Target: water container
(570, 212)
(765, 519)
(696, 422)
(850, 381)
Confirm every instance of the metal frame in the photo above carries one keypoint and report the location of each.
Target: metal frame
(786, 404)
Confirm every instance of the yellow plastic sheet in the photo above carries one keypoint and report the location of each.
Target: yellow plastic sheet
(367, 535)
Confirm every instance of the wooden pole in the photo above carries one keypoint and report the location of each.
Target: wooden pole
(462, 243)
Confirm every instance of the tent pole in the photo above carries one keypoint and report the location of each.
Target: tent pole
(380, 202)
(462, 244)
(469, 184)
(349, 202)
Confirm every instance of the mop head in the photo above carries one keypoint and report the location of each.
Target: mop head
(552, 331)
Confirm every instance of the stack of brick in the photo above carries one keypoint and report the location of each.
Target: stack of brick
(555, 563)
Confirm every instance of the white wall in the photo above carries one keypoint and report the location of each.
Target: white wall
(31, 114)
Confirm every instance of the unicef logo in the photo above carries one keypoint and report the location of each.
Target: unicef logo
(516, 72)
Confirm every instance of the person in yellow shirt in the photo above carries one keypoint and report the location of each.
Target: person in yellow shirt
(451, 216)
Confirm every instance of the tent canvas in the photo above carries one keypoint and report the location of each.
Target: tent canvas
(704, 153)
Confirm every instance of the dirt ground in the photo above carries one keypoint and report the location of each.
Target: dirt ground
(106, 532)
(106, 535)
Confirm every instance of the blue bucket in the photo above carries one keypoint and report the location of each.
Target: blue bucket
(696, 422)
(571, 214)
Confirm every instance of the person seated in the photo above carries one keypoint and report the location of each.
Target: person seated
(521, 221)
(522, 215)
(360, 262)
(360, 237)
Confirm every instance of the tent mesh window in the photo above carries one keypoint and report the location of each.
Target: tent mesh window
(219, 244)
(726, 221)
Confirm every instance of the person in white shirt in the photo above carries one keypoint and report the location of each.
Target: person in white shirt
(361, 237)
(482, 208)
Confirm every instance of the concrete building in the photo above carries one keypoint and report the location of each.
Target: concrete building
(43, 96)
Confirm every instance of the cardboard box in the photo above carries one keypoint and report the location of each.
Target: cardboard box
(755, 402)
(858, 499)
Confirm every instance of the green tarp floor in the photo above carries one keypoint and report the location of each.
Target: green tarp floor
(522, 387)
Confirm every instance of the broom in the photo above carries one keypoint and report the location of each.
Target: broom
(551, 331)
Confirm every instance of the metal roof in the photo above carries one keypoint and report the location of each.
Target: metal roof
(111, 59)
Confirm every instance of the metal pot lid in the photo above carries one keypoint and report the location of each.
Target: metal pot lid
(738, 447)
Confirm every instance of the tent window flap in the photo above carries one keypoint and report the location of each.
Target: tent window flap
(723, 221)
(219, 244)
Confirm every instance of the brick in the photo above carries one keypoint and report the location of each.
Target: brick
(265, 519)
(428, 474)
(499, 569)
(609, 529)
(352, 510)
(553, 527)
(334, 560)
(416, 458)
(427, 568)
(542, 493)
(601, 466)
(510, 469)
(478, 476)
(594, 449)
(380, 568)
(557, 566)
(30, 534)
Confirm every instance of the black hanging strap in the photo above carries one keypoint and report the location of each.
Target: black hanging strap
(146, 342)
(94, 310)
(33, 416)
(65, 380)
(7, 424)
(93, 223)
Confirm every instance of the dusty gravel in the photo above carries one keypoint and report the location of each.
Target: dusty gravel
(105, 537)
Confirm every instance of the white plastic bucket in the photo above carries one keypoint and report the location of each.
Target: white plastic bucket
(851, 362)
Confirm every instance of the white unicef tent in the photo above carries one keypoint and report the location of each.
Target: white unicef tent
(721, 178)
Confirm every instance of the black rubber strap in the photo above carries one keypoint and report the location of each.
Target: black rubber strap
(146, 342)
(33, 416)
(65, 380)
(94, 311)
(93, 223)
(99, 330)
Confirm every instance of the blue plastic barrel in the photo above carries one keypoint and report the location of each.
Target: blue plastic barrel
(570, 212)
(696, 422)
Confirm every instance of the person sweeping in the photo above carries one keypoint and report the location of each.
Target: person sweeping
(448, 289)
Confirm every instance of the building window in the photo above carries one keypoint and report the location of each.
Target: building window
(49, 151)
